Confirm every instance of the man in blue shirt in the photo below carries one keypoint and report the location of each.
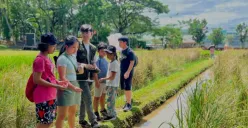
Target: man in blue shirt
(127, 63)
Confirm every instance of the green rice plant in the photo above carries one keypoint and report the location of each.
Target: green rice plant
(16, 66)
(222, 102)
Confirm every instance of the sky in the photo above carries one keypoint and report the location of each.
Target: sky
(219, 13)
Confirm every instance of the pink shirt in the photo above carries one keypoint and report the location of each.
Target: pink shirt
(43, 93)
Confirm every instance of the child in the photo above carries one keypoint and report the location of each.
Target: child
(100, 92)
(45, 93)
(112, 82)
(127, 61)
(68, 99)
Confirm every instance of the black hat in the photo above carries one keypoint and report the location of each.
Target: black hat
(48, 38)
(110, 49)
(124, 39)
(86, 28)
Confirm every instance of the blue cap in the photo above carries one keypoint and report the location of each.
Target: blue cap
(48, 38)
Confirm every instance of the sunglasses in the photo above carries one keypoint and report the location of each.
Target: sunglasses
(86, 30)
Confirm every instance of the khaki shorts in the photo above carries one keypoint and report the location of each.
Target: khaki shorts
(101, 90)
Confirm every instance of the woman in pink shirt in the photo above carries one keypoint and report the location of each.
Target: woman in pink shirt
(47, 85)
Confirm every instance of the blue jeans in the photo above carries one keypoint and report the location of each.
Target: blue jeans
(86, 103)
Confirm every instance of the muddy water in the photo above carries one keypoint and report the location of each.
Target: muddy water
(166, 113)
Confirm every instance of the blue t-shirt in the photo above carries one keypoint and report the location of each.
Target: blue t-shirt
(102, 64)
(70, 65)
(127, 55)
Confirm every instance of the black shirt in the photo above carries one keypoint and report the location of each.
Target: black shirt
(127, 55)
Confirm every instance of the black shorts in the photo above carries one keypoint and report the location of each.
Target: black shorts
(46, 112)
(126, 84)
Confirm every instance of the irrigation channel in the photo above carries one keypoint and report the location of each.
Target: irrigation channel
(166, 112)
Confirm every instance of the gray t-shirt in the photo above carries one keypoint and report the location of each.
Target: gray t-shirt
(69, 65)
(114, 67)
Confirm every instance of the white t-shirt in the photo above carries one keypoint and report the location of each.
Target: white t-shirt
(87, 46)
(114, 67)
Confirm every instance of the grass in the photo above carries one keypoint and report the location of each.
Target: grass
(16, 66)
(150, 97)
(223, 101)
(2, 47)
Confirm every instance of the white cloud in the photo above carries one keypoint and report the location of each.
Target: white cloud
(177, 6)
(232, 4)
(217, 13)
(212, 18)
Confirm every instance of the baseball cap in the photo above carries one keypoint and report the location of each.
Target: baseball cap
(110, 49)
(48, 38)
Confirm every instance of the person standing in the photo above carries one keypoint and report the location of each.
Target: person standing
(69, 98)
(113, 79)
(127, 60)
(44, 94)
(86, 55)
(100, 93)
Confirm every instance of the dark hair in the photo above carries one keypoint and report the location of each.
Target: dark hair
(101, 45)
(124, 39)
(69, 41)
(43, 47)
(86, 28)
(116, 56)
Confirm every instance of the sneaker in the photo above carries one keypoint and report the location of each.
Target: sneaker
(124, 105)
(95, 125)
(98, 118)
(128, 107)
(84, 124)
(109, 118)
(104, 113)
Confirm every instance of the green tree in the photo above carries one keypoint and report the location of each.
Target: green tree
(4, 11)
(229, 39)
(170, 35)
(198, 29)
(64, 17)
(217, 36)
(94, 13)
(242, 30)
(125, 13)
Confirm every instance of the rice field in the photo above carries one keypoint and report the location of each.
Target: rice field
(16, 66)
(223, 101)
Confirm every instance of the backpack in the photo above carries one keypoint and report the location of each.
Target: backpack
(136, 61)
(30, 87)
